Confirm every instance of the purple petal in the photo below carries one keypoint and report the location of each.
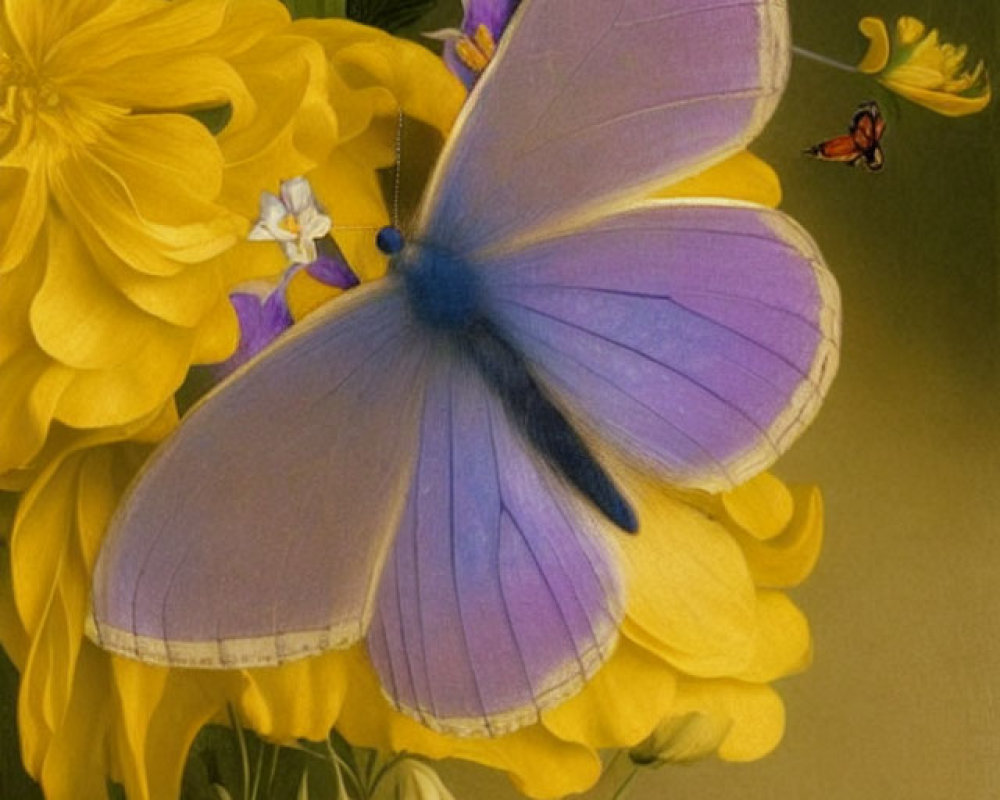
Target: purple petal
(333, 271)
(261, 322)
(494, 14)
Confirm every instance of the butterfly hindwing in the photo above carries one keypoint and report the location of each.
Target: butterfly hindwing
(256, 533)
(592, 101)
(698, 337)
(500, 596)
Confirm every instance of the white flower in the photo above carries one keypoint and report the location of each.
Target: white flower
(293, 220)
(410, 779)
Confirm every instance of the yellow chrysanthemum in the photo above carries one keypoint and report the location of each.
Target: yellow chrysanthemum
(707, 627)
(119, 213)
(916, 65)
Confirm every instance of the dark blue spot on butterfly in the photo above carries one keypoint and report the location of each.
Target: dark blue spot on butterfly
(390, 240)
(443, 291)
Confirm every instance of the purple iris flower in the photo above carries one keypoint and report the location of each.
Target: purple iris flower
(262, 309)
(469, 49)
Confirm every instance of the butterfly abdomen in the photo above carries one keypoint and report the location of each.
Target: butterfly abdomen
(540, 420)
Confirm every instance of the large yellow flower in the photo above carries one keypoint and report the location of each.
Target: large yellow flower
(917, 65)
(119, 213)
(707, 626)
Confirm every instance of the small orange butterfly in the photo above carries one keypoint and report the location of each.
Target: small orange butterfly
(862, 142)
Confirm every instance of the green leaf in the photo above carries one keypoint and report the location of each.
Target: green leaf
(390, 15)
(215, 119)
(321, 9)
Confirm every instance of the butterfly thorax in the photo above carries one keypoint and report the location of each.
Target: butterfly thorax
(443, 290)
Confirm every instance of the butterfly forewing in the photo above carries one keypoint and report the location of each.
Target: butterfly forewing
(501, 595)
(697, 337)
(593, 101)
(257, 532)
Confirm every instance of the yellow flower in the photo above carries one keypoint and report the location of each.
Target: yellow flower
(922, 69)
(119, 212)
(707, 626)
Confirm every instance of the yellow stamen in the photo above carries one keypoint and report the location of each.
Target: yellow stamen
(909, 30)
(291, 224)
(484, 41)
(470, 55)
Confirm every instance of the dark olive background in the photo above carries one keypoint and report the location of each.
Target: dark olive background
(905, 602)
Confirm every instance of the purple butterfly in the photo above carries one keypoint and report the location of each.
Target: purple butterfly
(429, 463)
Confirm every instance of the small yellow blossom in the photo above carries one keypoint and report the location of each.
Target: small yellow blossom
(918, 66)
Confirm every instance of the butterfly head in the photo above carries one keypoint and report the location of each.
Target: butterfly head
(390, 240)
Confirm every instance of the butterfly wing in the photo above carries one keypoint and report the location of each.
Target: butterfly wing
(589, 102)
(500, 597)
(698, 338)
(256, 532)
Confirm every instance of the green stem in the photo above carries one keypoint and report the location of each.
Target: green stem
(384, 770)
(335, 761)
(340, 767)
(244, 754)
(625, 784)
(276, 749)
(801, 51)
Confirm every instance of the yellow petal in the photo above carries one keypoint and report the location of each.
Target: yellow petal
(877, 57)
(22, 209)
(81, 320)
(76, 762)
(689, 594)
(909, 30)
(32, 387)
(17, 290)
(35, 27)
(788, 559)
(138, 689)
(305, 294)
(218, 335)
(284, 136)
(620, 704)
(753, 716)
(190, 700)
(42, 533)
(128, 392)
(414, 78)
(742, 176)
(171, 82)
(950, 105)
(275, 705)
(133, 30)
(93, 195)
(784, 645)
(762, 506)
(540, 764)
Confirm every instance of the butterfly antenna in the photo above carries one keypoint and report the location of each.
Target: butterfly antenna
(399, 163)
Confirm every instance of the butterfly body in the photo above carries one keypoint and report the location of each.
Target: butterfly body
(861, 144)
(447, 297)
(437, 463)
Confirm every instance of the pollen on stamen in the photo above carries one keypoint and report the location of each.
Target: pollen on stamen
(483, 38)
(476, 52)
